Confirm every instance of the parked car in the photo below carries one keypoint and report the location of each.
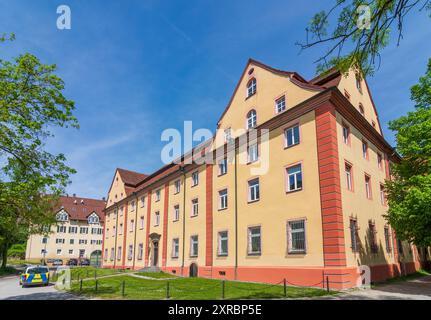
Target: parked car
(50, 260)
(84, 262)
(72, 262)
(57, 262)
(34, 275)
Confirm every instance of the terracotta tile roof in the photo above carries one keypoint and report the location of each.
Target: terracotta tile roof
(131, 178)
(80, 208)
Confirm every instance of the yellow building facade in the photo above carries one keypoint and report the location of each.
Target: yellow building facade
(291, 189)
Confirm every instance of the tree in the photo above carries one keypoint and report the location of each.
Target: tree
(409, 193)
(356, 40)
(31, 104)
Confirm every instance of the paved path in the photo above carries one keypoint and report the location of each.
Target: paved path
(416, 289)
(11, 290)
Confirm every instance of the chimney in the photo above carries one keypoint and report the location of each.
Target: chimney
(103, 199)
(74, 195)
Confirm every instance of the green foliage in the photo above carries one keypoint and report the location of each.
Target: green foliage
(16, 251)
(349, 43)
(31, 104)
(409, 193)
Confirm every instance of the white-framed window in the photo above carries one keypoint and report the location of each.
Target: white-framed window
(354, 237)
(61, 229)
(132, 205)
(62, 216)
(368, 192)
(83, 230)
(195, 178)
(194, 246)
(361, 109)
(119, 253)
(253, 190)
(73, 229)
(253, 153)
(59, 240)
(364, 149)
(222, 199)
(294, 178)
(44, 240)
(141, 222)
(132, 225)
(227, 135)
(280, 104)
(379, 161)
(195, 207)
(388, 239)
(349, 176)
(177, 186)
(175, 247)
(222, 166)
(291, 136)
(112, 257)
(222, 243)
(121, 211)
(296, 236)
(105, 256)
(358, 82)
(71, 251)
(140, 251)
(251, 119)
(130, 252)
(251, 87)
(58, 251)
(156, 218)
(72, 241)
(346, 134)
(158, 195)
(176, 213)
(382, 194)
(254, 240)
(142, 201)
(93, 218)
(82, 241)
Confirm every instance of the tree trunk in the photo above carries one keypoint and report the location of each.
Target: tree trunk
(4, 255)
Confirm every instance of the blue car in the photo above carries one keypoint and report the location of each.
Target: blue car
(34, 275)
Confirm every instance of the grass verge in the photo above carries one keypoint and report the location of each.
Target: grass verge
(7, 271)
(156, 275)
(187, 289)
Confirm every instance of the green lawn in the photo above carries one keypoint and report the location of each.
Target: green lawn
(91, 272)
(418, 274)
(17, 262)
(156, 275)
(186, 288)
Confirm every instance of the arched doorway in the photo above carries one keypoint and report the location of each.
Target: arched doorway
(193, 270)
(96, 258)
(155, 253)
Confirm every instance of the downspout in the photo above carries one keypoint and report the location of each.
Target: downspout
(136, 223)
(182, 169)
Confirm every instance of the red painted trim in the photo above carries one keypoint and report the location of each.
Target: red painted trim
(125, 235)
(330, 190)
(147, 232)
(209, 216)
(165, 225)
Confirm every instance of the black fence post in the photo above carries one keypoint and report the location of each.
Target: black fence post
(167, 290)
(327, 283)
(96, 286)
(285, 287)
(222, 289)
(80, 286)
(123, 288)
(95, 274)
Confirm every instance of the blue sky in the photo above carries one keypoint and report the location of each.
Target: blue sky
(134, 68)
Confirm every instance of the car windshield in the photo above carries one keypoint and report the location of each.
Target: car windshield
(37, 270)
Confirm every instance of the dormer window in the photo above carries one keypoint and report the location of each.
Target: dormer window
(358, 82)
(251, 87)
(93, 218)
(361, 109)
(251, 119)
(62, 216)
